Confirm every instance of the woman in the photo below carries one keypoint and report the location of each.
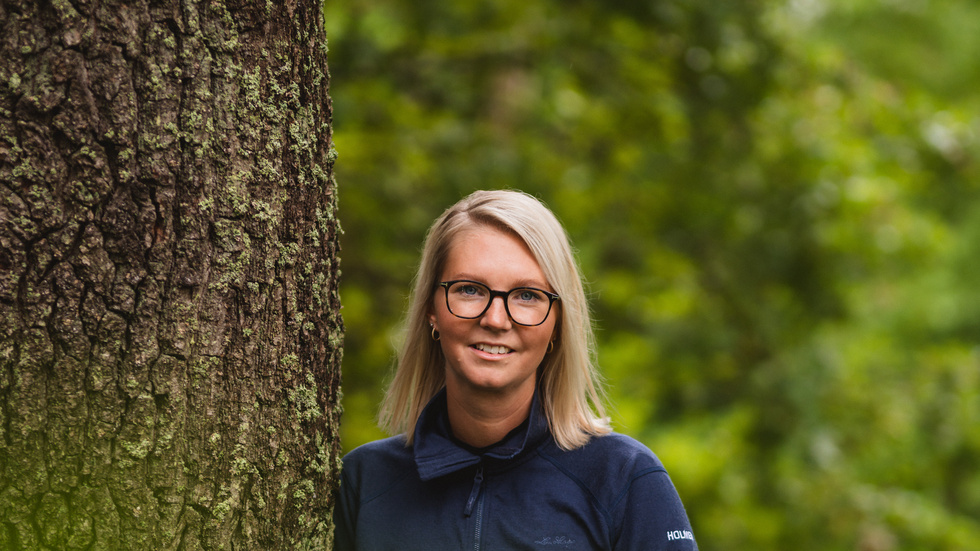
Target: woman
(502, 439)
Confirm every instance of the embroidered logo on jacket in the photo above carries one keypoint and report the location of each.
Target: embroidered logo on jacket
(561, 541)
(680, 535)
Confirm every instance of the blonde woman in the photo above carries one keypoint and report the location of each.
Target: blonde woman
(501, 438)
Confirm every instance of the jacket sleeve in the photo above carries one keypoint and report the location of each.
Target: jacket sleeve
(653, 517)
(345, 515)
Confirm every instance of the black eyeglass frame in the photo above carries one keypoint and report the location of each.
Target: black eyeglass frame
(552, 298)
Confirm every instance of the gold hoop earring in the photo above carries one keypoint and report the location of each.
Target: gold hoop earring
(435, 334)
(551, 347)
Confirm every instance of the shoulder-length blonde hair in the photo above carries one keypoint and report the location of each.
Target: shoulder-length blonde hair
(569, 385)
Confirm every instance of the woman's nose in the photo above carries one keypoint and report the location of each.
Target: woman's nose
(496, 315)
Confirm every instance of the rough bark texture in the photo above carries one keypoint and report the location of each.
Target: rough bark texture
(170, 335)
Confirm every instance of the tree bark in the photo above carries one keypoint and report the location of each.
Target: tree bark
(170, 332)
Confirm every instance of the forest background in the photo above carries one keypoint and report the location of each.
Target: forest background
(775, 205)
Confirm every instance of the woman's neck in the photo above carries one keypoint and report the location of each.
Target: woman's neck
(484, 419)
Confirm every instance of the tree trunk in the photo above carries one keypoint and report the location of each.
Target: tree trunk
(170, 332)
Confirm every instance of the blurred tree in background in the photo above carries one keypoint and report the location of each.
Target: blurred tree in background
(775, 204)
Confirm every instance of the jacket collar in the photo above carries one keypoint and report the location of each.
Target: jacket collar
(438, 453)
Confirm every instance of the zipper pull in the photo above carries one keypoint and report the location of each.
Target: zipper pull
(475, 492)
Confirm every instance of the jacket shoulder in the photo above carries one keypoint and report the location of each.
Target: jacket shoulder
(607, 465)
(371, 467)
(392, 448)
(623, 454)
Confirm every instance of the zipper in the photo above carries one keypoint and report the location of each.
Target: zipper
(475, 492)
(476, 500)
(479, 525)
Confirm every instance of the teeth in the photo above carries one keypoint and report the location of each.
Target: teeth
(492, 349)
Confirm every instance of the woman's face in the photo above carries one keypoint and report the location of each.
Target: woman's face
(491, 353)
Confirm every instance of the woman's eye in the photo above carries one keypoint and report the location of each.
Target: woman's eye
(528, 296)
(469, 290)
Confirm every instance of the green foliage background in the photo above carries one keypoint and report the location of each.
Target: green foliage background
(775, 204)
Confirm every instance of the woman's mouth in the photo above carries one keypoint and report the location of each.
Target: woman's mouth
(492, 349)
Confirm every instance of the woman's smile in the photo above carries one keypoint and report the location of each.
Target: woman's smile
(492, 349)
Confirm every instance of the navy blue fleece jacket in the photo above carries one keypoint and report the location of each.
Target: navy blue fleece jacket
(522, 493)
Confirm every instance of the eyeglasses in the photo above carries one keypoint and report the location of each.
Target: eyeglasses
(471, 299)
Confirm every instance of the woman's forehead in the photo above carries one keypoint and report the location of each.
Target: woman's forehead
(485, 252)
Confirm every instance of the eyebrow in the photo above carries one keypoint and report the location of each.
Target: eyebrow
(519, 283)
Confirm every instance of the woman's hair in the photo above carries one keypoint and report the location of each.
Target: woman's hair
(569, 385)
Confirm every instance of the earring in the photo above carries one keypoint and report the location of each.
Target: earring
(551, 347)
(435, 334)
